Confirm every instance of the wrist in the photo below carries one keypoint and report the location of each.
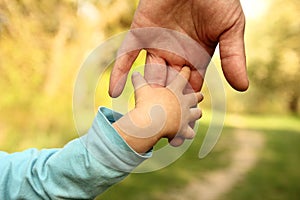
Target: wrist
(134, 129)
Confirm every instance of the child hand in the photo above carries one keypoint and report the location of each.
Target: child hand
(161, 112)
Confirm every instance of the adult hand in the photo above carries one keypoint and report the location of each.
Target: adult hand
(206, 22)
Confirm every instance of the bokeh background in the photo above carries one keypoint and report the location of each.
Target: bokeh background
(43, 43)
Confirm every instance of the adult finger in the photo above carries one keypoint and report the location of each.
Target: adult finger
(196, 80)
(155, 70)
(120, 71)
(233, 59)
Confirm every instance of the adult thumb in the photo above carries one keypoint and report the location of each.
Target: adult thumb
(233, 58)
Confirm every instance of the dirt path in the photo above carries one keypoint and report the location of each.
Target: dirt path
(244, 156)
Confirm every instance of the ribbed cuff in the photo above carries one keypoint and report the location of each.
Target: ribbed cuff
(107, 146)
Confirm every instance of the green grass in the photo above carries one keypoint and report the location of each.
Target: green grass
(265, 122)
(148, 186)
(276, 176)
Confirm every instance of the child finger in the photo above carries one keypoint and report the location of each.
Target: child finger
(185, 73)
(199, 96)
(138, 80)
(189, 133)
(181, 79)
(188, 89)
(195, 113)
(176, 141)
(192, 99)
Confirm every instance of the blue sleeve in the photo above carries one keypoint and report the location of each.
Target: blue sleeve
(82, 169)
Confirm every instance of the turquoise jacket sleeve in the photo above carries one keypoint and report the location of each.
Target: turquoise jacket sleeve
(82, 169)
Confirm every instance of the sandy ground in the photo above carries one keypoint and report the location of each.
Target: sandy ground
(216, 183)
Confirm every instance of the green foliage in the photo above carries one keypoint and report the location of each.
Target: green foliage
(274, 57)
(42, 44)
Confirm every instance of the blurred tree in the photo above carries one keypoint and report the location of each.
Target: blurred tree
(274, 55)
(42, 44)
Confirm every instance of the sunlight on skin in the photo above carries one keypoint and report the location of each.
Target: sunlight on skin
(253, 10)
